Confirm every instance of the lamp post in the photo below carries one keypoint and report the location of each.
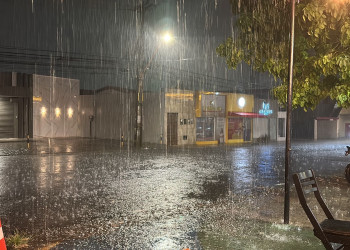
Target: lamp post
(289, 118)
(166, 38)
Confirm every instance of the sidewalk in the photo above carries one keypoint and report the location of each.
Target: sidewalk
(256, 221)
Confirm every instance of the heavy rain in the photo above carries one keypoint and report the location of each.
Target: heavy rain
(164, 124)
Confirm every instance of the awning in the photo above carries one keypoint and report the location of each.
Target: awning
(246, 114)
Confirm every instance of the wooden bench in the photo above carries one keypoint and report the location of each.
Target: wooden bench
(334, 234)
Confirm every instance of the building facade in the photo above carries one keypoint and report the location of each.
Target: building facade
(108, 113)
(38, 106)
(16, 105)
(55, 107)
(169, 117)
(180, 117)
(234, 118)
(344, 124)
(46, 106)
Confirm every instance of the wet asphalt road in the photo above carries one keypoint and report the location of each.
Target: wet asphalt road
(126, 198)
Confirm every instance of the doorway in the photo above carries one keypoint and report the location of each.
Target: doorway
(281, 126)
(247, 129)
(172, 128)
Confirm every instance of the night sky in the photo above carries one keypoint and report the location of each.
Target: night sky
(96, 41)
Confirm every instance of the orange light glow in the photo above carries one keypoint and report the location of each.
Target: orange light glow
(70, 112)
(43, 111)
(57, 112)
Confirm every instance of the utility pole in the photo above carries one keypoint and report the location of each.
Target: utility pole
(140, 9)
(143, 65)
(140, 51)
(289, 118)
(141, 68)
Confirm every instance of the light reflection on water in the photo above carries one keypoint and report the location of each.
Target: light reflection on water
(241, 169)
(150, 196)
(254, 168)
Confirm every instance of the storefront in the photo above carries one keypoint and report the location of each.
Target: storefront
(224, 118)
(169, 117)
(210, 118)
(239, 118)
(267, 126)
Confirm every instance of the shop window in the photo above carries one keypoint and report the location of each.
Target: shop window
(205, 129)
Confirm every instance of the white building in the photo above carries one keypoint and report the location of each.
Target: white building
(55, 107)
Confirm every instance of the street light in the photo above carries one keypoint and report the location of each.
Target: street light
(289, 118)
(165, 38)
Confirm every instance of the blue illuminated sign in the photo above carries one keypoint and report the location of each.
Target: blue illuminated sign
(265, 109)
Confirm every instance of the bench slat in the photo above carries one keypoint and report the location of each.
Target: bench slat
(306, 183)
(305, 175)
(314, 189)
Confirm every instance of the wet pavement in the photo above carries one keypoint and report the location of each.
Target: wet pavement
(94, 194)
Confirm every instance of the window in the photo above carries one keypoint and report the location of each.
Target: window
(205, 129)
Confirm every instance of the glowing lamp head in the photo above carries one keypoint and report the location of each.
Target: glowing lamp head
(167, 37)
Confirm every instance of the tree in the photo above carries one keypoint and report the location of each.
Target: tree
(321, 50)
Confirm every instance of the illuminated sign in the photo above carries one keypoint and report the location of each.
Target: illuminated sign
(180, 96)
(37, 99)
(265, 109)
(213, 105)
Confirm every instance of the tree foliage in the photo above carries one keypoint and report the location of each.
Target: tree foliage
(321, 49)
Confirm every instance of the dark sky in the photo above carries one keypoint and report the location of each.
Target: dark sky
(96, 42)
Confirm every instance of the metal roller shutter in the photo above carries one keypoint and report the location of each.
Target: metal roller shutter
(6, 118)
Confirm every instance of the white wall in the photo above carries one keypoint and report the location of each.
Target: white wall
(273, 129)
(342, 121)
(327, 129)
(344, 117)
(115, 113)
(181, 102)
(50, 93)
(153, 110)
(260, 127)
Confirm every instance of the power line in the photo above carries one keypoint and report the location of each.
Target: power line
(71, 63)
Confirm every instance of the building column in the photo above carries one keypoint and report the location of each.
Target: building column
(337, 128)
(315, 130)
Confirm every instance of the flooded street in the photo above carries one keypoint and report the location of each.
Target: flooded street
(162, 124)
(150, 198)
